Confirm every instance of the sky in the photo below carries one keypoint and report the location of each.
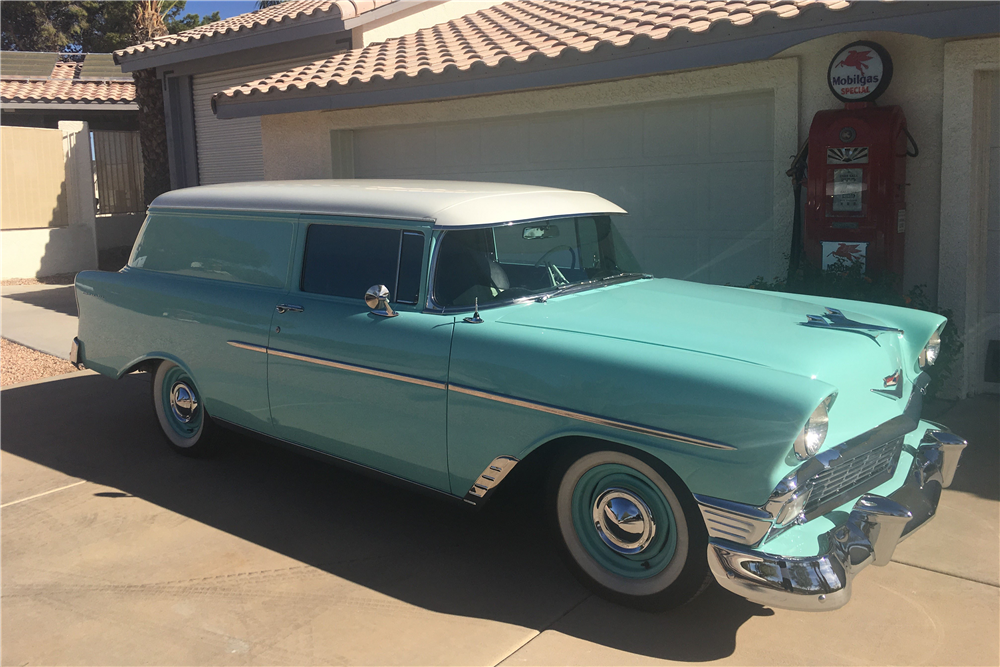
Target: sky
(226, 8)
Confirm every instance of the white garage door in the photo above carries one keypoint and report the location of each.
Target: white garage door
(230, 151)
(695, 176)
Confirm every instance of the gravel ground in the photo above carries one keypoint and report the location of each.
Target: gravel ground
(59, 279)
(20, 364)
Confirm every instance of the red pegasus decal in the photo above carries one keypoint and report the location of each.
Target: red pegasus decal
(856, 59)
(848, 251)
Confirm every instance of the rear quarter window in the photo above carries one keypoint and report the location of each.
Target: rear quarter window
(232, 249)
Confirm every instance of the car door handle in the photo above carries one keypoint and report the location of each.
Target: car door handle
(287, 307)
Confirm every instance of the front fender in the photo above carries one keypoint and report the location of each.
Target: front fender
(755, 410)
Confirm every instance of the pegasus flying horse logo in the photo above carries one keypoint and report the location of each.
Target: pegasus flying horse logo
(852, 252)
(837, 321)
(856, 59)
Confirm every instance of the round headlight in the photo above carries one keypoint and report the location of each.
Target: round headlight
(930, 352)
(814, 433)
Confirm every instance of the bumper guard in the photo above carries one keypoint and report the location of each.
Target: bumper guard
(876, 524)
(74, 353)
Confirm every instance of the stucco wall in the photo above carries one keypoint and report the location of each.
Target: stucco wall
(31, 253)
(917, 81)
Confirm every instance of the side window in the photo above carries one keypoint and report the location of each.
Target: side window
(220, 248)
(345, 261)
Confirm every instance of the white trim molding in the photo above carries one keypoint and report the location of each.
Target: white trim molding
(968, 81)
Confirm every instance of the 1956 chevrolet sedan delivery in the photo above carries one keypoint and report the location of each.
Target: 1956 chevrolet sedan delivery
(443, 332)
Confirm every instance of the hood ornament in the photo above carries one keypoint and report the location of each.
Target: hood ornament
(835, 319)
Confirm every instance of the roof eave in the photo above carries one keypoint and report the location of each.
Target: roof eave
(230, 42)
(723, 44)
(249, 38)
(62, 104)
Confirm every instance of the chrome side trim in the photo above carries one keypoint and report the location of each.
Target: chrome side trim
(319, 361)
(488, 481)
(540, 407)
(592, 419)
(247, 346)
(728, 520)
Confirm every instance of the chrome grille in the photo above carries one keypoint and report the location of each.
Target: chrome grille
(851, 477)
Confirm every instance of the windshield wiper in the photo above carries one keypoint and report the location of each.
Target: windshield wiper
(606, 280)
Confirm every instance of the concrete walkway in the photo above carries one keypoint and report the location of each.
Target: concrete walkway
(42, 317)
(117, 552)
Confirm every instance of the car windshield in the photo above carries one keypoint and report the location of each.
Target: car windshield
(513, 261)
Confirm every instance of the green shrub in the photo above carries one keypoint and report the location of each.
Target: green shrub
(846, 280)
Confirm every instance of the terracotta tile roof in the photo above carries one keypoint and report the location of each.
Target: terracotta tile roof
(284, 14)
(513, 32)
(64, 85)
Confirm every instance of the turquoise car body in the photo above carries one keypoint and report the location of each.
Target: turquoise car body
(716, 382)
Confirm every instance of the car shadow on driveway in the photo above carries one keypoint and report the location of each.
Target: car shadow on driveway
(59, 299)
(497, 564)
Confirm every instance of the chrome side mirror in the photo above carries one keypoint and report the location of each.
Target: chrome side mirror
(377, 298)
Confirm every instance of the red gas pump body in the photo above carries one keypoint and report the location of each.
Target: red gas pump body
(856, 205)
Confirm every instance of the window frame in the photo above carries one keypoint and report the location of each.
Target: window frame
(430, 302)
(307, 220)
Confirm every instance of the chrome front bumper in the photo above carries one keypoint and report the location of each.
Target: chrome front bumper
(876, 524)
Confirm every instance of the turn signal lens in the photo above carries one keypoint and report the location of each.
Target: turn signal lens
(930, 352)
(814, 433)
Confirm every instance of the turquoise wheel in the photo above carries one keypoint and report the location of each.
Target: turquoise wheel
(628, 533)
(179, 409)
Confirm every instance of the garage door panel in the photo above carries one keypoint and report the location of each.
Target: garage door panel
(742, 125)
(696, 176)
(610, 136)
(674, 196)
(505, 144)
(458, 145)
(672, 130)
(558, 141)
(735, 260)
(669, 256)
(739, 197)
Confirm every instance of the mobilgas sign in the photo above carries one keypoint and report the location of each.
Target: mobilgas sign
(860, 72)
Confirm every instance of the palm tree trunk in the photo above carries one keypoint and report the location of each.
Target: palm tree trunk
(149, 96)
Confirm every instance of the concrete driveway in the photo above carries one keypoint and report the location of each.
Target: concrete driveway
(42, 317)
(118, 552)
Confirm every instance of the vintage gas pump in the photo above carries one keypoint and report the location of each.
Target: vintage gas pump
(856, 198)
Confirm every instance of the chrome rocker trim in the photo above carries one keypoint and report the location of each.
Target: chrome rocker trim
(876, 524)
(487, 482)
(737, 522)
(592, 419)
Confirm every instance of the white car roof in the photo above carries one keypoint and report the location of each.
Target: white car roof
(443, 203)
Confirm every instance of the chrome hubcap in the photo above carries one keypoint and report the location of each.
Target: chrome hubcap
(623, 521)
(183, 402)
